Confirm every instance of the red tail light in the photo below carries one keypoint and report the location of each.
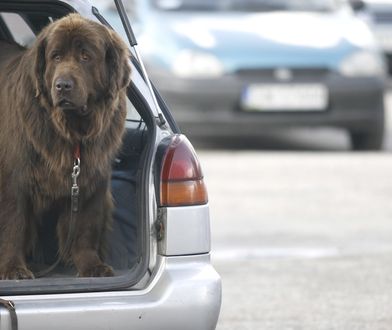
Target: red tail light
(181, 175)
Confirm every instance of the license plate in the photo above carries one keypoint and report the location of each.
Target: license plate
(285, 97)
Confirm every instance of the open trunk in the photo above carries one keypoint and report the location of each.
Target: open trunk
(128, 244)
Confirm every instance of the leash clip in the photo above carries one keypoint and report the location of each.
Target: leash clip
(11, 303)
(75, 170)
(75, 187)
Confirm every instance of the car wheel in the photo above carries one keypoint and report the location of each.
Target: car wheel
(367, 140)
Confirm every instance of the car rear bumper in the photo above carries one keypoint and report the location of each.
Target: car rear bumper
(185, 293)
(213, 107)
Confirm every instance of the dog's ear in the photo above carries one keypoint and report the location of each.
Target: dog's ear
(39, 62)
(117, 61)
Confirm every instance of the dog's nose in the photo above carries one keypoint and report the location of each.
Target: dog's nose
(64, 85)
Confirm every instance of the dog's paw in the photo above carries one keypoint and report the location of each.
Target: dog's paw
(16, 273)
(101, 270)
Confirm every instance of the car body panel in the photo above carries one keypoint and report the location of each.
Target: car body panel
(185, 293)
(186, 231)
(206, 108)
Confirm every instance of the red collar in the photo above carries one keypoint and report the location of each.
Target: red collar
(76, 151)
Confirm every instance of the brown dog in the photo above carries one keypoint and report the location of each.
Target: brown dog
(65, 94)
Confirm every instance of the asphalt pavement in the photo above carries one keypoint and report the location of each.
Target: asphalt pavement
(302, 232)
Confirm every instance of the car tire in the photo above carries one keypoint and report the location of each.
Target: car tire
(367, 140)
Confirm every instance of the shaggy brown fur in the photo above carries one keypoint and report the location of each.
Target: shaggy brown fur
(67, 90)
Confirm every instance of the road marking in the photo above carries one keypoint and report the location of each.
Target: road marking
(227, 254)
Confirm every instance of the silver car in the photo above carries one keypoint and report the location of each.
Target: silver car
(159, 246)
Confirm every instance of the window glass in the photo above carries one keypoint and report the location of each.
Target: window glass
(19, 29)
(132, 113)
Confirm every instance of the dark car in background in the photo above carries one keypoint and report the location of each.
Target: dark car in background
(241, 67)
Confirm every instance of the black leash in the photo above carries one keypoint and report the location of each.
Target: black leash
(67, 247)
(10, 306)
(74, 210)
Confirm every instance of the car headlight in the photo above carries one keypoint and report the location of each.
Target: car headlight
(363, 63)
(192, 64)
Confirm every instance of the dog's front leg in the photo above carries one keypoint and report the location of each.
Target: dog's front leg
(88, 235)
(13, 236)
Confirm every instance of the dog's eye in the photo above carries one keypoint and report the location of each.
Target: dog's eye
(56, 57)
(84, 56)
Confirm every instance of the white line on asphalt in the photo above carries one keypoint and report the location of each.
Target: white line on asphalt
(227, 254)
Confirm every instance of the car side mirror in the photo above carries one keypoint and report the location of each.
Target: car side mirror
(357, 5)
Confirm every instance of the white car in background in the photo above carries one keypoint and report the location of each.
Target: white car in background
(236, 68)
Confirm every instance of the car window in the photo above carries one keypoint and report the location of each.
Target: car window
(248, 5)
(132, 113)
(19, 29)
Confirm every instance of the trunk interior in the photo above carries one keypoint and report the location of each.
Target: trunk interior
(122, 247)
(126, 244)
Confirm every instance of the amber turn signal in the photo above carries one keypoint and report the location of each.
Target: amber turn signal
(181, 175)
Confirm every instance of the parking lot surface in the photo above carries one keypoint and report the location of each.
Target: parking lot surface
(302, 232)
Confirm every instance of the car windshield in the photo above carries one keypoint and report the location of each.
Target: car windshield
(247, 5)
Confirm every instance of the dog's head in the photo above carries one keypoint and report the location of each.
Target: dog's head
(80, 69)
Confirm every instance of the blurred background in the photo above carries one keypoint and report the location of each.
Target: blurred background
(288, 103)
